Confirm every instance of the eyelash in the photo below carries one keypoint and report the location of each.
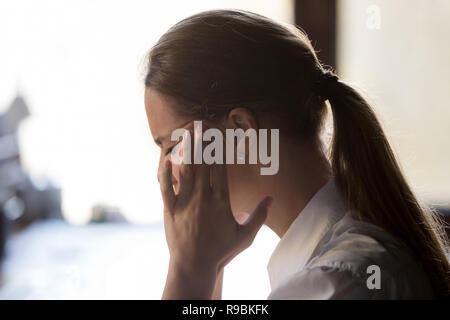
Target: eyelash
(169, 150)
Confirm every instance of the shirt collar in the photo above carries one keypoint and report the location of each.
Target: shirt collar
(304, 234)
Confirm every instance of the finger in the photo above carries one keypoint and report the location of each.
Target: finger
(185, 182)
(166, 186)
(255, 221)
(202, 171)
(186, 168)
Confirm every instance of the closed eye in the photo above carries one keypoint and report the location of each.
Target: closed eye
(175, 146)
(169, 150)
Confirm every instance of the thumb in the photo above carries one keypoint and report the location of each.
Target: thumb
(256, 219)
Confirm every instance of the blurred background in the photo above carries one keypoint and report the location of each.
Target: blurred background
(80, 208)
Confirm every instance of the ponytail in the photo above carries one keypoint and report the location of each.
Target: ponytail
(368, 176)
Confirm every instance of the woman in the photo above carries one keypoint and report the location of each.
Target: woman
(350, 226)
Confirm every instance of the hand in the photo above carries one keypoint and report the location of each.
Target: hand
(201, 232)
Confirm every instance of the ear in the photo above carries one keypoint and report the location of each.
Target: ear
(241, 118)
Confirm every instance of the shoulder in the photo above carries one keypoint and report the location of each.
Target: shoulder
(357, 260)
(322, 283)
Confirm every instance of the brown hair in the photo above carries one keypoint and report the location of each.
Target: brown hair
(214, 61)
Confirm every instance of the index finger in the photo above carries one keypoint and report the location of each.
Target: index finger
(166, 186)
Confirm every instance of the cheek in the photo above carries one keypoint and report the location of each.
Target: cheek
(237, 202)
(241, 190)
(233, 187)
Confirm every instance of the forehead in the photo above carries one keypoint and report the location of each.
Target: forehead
(160, 114)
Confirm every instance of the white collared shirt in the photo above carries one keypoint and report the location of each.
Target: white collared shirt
(327, 253)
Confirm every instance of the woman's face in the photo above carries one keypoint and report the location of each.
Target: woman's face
(163, 121)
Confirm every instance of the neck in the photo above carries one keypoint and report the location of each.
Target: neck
(303, 171)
